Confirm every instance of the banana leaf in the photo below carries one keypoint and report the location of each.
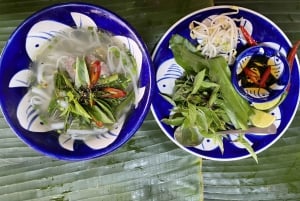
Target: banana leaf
(148, 167)
(275, 177)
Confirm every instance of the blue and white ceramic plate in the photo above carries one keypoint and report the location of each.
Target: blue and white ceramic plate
(167, 71)
(21, 48)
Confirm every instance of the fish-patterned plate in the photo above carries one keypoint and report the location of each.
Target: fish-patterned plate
(265, 32)
(15, 74)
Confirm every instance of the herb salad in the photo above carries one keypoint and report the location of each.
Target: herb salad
(204, 99)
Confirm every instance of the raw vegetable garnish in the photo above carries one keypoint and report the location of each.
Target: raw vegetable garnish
(89, 100)
(204, 99)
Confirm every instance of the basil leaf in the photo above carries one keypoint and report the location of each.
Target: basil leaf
(198, 81)
(106, 109)
(202, 120)
(77, 108)
(123, 106)
(81, 73)
(207, 84)
(99, 115)
(188, 136)
(213, 97)
(248, 147)
(177, 121)
(187, 59)
(169, 99)
(218, 140)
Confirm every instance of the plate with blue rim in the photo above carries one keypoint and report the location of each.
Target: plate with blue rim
(19, 52)
(167, 71)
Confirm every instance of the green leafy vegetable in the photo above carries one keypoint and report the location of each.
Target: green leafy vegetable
(198, 81)
(100, 115)
(247, 146)
(82, 75)
(204, 99)
(81, 106)
(186, 55)
(219, 72)
(78, 109)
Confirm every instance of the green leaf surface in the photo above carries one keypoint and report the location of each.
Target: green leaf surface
(81, 73)
(148, 167)
(199, 78)
(238, 106)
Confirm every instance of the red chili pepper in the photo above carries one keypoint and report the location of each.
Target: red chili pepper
(290, 58)
(94, 72)
(248, 37)
(265, 77)
(292, 54)
(114, 93)
(254, 77)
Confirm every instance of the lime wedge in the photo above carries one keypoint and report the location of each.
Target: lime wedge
(267, 105)
(262, 119)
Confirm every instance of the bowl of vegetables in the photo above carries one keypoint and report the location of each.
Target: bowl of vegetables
(196, 102)
(261, 74)
(76, 81)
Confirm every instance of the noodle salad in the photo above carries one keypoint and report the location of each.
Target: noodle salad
(84, 82)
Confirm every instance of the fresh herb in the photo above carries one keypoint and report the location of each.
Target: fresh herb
(89, 99)
(204, 100)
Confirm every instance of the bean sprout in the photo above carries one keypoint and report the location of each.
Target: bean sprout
(217, 35)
